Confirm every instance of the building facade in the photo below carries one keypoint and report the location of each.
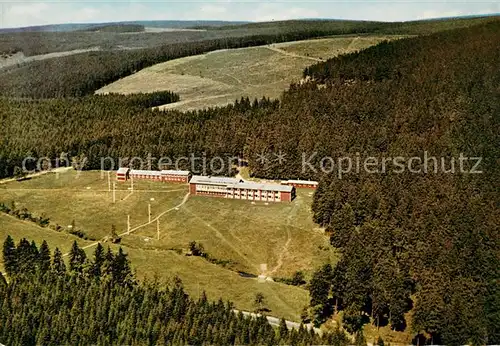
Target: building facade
(233, 188)
(123, 174)
(301, 183)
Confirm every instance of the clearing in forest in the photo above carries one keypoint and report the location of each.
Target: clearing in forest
(219, 78)
(238, 235)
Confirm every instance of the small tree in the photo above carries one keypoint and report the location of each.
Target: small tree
(298, 278)
(197, 249)
(260, 302)
(114, 236)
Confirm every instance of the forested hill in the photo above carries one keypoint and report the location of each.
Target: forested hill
(120, 28)
(97, 301)
(426, 243)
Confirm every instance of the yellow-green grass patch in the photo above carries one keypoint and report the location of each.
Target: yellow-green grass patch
(220, 77)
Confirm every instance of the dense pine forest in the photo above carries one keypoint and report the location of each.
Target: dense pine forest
(420, 245)
(98, 301)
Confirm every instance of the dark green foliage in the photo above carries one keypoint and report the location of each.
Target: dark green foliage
(99, 259)
(360, 339)
(24, 214)
(44, 257)
(197, 249)
(77, 258)
(297, 279)
(32, 42)
(414, 233)
(100, 127)
(58, 308)
(319, 287)
(9, 256)
(143, 100)
(3, 282)
(260, 302)
(58, 266)
(341, 226)
(121, 28)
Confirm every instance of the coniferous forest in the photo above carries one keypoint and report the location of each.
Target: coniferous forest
(421, 245)
(98, 301)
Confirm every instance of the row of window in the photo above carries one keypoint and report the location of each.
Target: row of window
(237, 196)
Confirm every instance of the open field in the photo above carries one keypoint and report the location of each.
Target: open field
(247, 235)
(218, 78)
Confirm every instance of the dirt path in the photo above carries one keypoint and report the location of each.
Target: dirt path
(188, 101)
(21, 59)
(284, 251)
(349, 47)
(284, 52)
(57, 170)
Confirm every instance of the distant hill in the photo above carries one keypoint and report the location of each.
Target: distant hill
(119, 28)
(174, 24)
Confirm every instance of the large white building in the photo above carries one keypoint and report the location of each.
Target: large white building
(234, 188)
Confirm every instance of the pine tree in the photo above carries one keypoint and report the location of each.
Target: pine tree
(77, 258)
(283, 331)
(58, 265)
(342, 226)
(98, 262)
(121, 272)
(44, 257)
(320, 284)
(9, 256)
(24, 255)
(107, 267)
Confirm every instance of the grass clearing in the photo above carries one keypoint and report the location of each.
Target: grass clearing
(280, 235)
(218, 78)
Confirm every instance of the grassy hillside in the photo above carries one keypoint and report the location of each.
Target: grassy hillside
(246, 235)
(282, 236)
(197, 274)
(218, 78)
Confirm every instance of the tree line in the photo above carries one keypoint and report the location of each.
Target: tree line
(98, 301)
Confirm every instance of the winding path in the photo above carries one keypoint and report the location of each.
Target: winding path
(284, 52)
